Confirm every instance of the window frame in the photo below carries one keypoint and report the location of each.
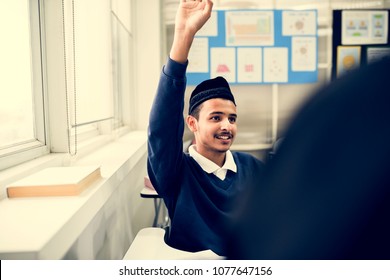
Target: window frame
(23, 151)
(82, 135)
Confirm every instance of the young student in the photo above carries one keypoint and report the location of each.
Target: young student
(199, 188)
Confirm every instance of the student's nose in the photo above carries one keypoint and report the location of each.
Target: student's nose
(225, 124)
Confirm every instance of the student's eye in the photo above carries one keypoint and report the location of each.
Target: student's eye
(215, 118)
(232, 119)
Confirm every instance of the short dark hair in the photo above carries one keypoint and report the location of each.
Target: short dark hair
(195, 112)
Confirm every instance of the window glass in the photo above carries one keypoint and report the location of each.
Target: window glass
(16, 80)
(122, 73)
(88, 47)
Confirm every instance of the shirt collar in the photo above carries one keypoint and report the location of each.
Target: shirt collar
(209, 166)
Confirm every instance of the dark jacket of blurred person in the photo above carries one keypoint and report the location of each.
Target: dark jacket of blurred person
(326, 192)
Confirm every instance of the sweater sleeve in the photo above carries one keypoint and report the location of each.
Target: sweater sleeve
(166, 128)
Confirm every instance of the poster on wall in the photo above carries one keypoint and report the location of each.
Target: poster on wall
(364, 27)
(256, 46)
(276, 65)
(375, 54)
(223, 63)
(348, 59)
(299, 23)
(249, 28)
(199, 56)
(303, 53)
(249, 65)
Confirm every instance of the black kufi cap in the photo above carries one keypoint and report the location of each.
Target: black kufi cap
(208, 89)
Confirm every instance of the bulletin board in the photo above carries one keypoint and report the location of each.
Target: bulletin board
(256, 47)
(360, 37)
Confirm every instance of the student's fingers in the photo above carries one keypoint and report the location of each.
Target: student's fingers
(209, 6)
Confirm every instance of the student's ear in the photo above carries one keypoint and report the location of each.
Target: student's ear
(192, 123)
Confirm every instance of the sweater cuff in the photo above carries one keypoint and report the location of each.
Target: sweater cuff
(175, 69)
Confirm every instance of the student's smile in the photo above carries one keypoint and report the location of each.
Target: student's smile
(225, 137)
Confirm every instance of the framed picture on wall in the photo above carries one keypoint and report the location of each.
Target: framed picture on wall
(377, 53)
(364, 27)
(348, 59)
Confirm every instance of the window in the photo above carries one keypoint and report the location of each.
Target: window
(123, 66)
(98, 68)
(22, 125)
(66, 72)
(60, 95)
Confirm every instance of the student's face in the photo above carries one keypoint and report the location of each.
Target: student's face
(216, 127)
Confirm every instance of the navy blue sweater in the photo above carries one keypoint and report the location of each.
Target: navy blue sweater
(200, 205)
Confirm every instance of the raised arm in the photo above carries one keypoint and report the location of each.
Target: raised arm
(166, 123)
(190, 17)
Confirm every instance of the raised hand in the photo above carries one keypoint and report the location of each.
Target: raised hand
(190, 17)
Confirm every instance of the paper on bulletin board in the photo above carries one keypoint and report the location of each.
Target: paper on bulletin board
(249, 65)
(275, 65)
(304, 53)
(348, 59)
(364, 27)
(223, 63)
(198, 58)
(299, 23)
(249, 28)
(375, 54)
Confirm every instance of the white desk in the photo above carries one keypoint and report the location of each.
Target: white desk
(149, 245)
(149, 193)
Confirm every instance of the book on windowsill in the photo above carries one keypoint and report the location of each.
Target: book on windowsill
(55, 181)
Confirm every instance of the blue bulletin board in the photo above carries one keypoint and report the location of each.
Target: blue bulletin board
(256, 47)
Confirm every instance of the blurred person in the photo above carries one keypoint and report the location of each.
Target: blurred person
(326, 192)
(199, 188)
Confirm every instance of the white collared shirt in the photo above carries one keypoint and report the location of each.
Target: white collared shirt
(211, 167)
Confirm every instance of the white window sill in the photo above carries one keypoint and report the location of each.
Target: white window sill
(45, 228)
